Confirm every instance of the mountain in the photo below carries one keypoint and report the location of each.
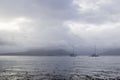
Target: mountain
(41, 52)
(112, 52)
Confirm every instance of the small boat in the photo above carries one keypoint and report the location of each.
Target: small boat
(95, 54)
(73, 53)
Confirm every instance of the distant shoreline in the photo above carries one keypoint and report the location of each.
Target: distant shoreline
(47, 55)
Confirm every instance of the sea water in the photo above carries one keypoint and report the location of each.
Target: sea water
(59, 68)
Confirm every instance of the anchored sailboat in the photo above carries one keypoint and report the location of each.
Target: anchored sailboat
(95, 54)
(73, 53)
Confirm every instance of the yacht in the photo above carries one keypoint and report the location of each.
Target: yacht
(73, 53)
(95, 54)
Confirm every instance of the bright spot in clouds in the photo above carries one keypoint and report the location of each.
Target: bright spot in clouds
(86, 5)
(13, 25)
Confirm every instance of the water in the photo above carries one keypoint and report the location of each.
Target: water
(59, 68)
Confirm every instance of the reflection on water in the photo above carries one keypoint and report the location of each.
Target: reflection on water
(59, 68)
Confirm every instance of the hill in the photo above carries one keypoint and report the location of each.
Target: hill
(111, 52)
(41, 52)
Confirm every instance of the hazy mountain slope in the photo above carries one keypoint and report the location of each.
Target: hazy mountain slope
(111, 52)
(41, 52)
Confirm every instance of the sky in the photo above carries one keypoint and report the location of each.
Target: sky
(59, 24)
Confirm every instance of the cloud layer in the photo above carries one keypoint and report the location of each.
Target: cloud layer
(29, 24)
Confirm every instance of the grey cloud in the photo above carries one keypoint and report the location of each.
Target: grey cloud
(2, 43)
(106, 13)
(45, 9)
(6, 42)
(48, 18)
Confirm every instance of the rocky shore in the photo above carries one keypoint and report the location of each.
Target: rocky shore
(48, 76)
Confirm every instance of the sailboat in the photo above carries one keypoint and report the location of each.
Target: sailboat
(73, 54)
(95, 54)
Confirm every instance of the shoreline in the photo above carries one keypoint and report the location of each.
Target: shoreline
(24, 75)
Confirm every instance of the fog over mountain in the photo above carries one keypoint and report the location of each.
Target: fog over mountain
(111, 52)
(26, 25)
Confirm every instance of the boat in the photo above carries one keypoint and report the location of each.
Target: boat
(73, 53)
(95, 54)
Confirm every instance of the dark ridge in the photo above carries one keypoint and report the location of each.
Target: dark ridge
(41, 52)
(112, 52)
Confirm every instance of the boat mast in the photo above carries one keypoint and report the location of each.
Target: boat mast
(95, 50)
(73, 50)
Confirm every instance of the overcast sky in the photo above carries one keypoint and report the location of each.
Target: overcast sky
(34, 24)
